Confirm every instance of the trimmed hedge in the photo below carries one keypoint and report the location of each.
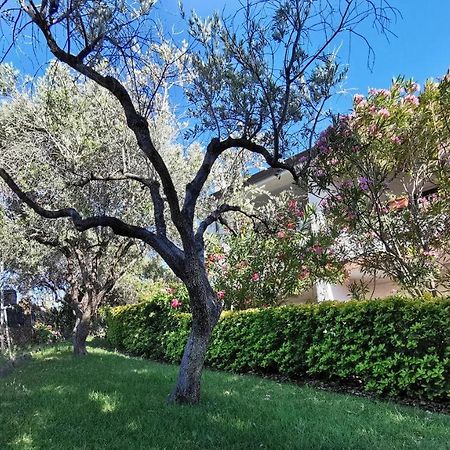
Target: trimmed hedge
(395, 346)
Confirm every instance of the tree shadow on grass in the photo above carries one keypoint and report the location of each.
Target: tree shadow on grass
(107, 400)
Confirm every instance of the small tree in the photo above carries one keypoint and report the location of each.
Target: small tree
(258, 82)
(381, 170)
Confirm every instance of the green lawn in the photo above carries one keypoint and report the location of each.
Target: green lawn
(109, 401)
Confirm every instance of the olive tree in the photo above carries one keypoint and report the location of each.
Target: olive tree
(257, 81)
(54, 256)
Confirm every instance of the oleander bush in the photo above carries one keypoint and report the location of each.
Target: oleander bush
(397, 346)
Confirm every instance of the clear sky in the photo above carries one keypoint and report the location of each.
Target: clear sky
(421, 49)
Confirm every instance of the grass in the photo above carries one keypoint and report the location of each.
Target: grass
(108, 400)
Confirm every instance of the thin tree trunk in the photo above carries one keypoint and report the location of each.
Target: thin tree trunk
(80, 333)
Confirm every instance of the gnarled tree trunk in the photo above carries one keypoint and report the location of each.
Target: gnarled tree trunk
(187, 389)
(206, 310)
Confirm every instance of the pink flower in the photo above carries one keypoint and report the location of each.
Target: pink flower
(220, 295)
(304, 273)
(216, 257)
(414, 87)
(431, 253)
(358, 98)
(362, 104)
(175, 303)
(396, 140)
(412, 100)
(281, 234)
(364, 183)
(290, 226)
(319, 172)
(384, 113)
(255, 276)
(373, 130)
(423, 201)
(317, 249)
(170, 290)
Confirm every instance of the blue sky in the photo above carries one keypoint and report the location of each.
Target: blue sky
(420, 50)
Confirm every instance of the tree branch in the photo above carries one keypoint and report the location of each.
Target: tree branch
(213, 151)
(167, 249)
(216, 216)
(135, 121)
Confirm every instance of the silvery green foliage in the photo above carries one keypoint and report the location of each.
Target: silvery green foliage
(67, 141)
(8, 79)
(55, 137)
(266, 79)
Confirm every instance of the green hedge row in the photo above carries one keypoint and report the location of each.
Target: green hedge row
(395, 346)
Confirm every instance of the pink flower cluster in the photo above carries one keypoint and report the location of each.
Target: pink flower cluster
(396, 140)
(373, 130)
(412, 100)
(322, 142)
(256, 277)
(380, 92)
(358, 98)
(414, 87)
(317, 249)
(430, 253)
(304, 273)
(364, 183)
(216, 257)
(384, 113)
(295, 208)
(175, 303)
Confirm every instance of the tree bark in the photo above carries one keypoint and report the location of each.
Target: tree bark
(80, 333)
(206, 311)
(187, 388)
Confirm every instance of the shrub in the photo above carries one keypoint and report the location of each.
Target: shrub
(45, 334)
(383, 174)
(143, 329)
(262, 267)
(395, 346)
